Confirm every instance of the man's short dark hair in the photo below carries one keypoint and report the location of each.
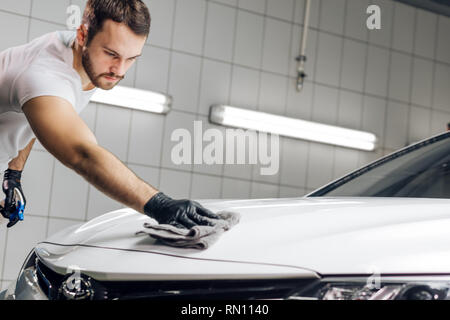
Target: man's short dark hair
(134, 13)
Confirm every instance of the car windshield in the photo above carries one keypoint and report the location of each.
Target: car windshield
(420, 171)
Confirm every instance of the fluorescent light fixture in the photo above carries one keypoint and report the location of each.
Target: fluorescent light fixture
(133, 98)
(293, 128)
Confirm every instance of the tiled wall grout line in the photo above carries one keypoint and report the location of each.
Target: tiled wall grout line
(408, 122)
(333, 169)
(388, 83)
(202, 62)
(230, 85)
(282, 140)
(313, 99)
(167, 89)
(433, 77)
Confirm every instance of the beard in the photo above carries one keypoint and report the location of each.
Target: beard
(95, 79)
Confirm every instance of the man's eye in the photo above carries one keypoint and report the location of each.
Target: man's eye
(110, 54)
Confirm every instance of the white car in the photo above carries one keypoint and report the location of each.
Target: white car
(381, 232)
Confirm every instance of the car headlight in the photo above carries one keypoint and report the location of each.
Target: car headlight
(386, 289)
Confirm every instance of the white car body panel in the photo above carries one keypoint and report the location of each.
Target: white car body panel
(296, 237)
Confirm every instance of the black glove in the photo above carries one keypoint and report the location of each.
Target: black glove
(11, 180)
(179, 213)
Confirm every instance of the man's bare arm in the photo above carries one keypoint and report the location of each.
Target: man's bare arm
(18, 163)
(65, 135)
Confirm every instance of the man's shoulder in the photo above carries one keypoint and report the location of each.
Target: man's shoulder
(43, 74)
(55, 53)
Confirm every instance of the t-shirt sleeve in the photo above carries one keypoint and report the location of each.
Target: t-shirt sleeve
(36, 82)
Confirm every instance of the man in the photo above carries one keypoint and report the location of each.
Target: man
(46, 83)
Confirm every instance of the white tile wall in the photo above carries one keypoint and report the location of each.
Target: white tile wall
(3, 237)
(263, 190)
(373, 120)
(162, 15)
(422, 80)
(349, 110)
(189, 26)
(235, 189)
(325, 104)
(345, 161)
(332, 16)
(329, 59)
(403, 36)
(50, 10)
(244, 87)
(113, 128)
(353, 65)
(288, 192)
(249, 39)
(443, 45)
(177, 182)
(205, 187)
(355, 18)
(145, 137)
(400, 76)
(282, 9)
(439, 120)
(377, 71)
(220, 26)
(176, 120)
(5, 285)
(10, 21)
(229, 2)
(148, 174)
(294, 161)
(152, 71)
(215, 85)
(396, 125)
(184, 81)
(37, 182)
(424, 43)
(216, 168)
(16, 6)
(258, 6)
(20, 241)
(320, 165)
(276, 48)
(393, 82)
(99, 203)
(419, 123)
(441, 88)
(383, 36)
(272, 97)
(68, 182)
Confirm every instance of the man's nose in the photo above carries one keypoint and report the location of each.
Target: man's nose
(118, 68)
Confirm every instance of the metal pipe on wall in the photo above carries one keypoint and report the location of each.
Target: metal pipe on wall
(301, 59)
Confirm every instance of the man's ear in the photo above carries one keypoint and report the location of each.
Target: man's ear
(82, 34)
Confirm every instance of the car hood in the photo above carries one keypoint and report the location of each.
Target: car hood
(297, 237)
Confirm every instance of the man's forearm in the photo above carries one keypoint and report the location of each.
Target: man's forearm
(18, 163)
(109, 175)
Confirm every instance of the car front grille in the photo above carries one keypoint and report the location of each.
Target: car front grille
(51, 283)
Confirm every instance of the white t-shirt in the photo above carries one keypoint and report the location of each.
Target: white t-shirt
(43, 67)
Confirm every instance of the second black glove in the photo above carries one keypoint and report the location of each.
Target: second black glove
(180, 213)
